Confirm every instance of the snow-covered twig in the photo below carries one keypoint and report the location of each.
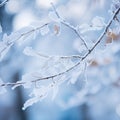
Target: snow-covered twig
(70, 26)
(78, 63)
(10, 43)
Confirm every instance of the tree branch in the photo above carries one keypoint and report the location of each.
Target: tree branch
(9, 44)
(70, 26)
(77, 64)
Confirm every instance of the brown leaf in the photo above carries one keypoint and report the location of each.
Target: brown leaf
(111, 36)
(56, 29)
(94, 63)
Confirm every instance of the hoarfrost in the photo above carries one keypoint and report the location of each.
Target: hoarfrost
(96, 24)
(39, 94)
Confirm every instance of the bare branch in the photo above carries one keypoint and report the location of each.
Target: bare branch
(70, 26)
(77, 64)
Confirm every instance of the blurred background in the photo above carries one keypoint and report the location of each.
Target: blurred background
(94, 98)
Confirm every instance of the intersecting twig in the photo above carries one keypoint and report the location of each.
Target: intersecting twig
(70, 26)
(77, 64)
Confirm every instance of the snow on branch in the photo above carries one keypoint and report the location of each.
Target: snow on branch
(30, 52)
(81, 58)
(70, 26)
(57, 69)
(19, 36)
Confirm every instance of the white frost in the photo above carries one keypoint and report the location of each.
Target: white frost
(98, 23)
(39, 94)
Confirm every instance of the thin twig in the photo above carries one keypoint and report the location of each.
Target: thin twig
(106, 29)
(9, 44)
(60, 57)
(70, 26)
(77, 64)
(83, 58)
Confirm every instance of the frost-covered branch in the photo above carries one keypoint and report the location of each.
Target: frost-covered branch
(56, 69)
(70, 26)
(106, 29)
(74, 66)
(15, 37)
(9, 41)
(30, 52)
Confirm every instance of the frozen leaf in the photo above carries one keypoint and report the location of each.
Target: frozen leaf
(19, 36)
(111, 35)
(30, 102)
(84, 28)
(2, 88)
(39, 94)
(25, 34)
(56, 29)
(29, 51)
(80, 47)
(12, 38)
(97, 24)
